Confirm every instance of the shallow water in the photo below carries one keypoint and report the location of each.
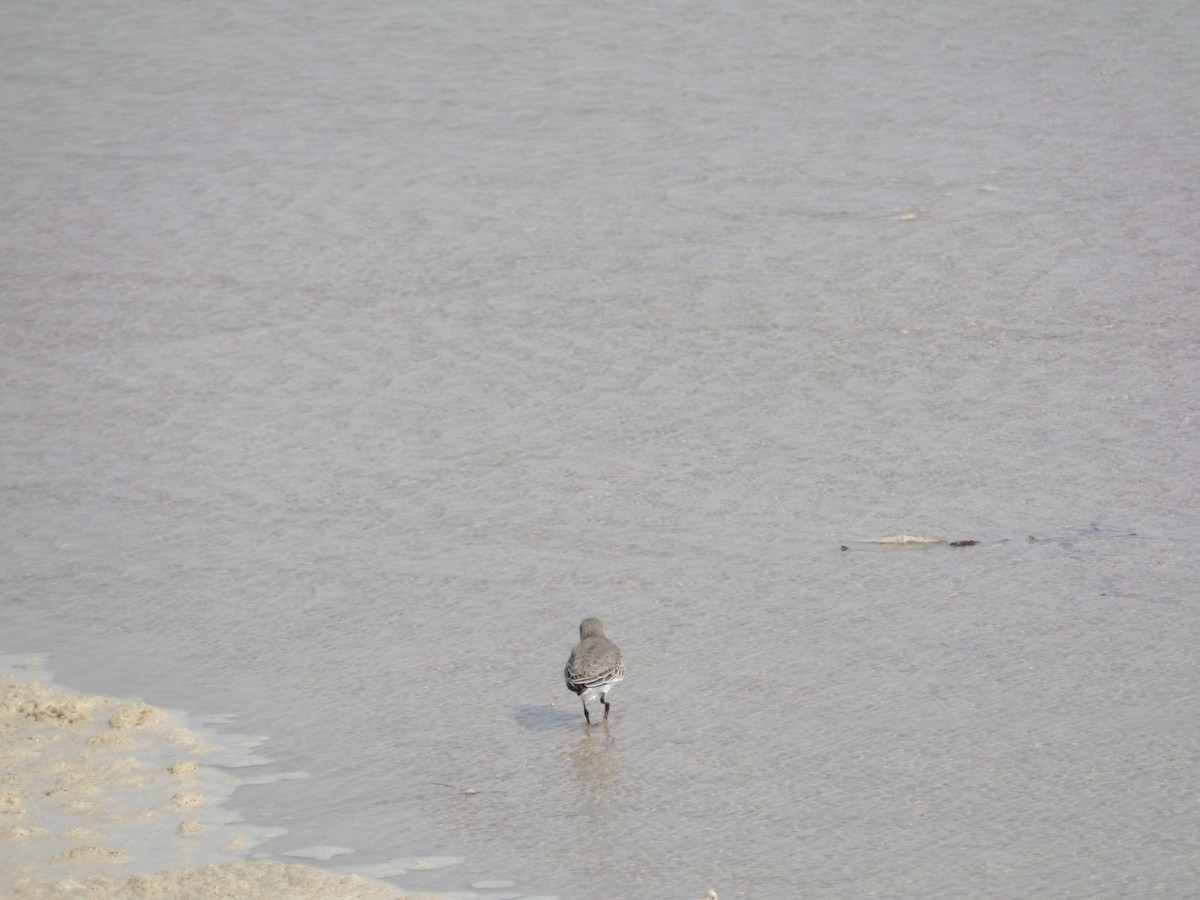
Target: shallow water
(353, 355)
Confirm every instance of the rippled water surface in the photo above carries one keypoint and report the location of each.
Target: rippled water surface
(352, 354)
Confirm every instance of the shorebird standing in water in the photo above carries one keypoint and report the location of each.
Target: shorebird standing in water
(594, 666)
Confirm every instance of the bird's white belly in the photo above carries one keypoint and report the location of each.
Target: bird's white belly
(595, 693)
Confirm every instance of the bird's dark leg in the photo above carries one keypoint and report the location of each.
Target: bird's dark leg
(585, 713)
(605, 702)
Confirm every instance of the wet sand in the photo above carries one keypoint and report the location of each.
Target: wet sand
(108, 798)
(353, 353)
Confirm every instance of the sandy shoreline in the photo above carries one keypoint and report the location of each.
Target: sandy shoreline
(108, 798)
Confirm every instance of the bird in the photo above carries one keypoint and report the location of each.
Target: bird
(595, 665)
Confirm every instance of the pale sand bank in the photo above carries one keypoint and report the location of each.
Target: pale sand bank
(222, 881)
(107, 798)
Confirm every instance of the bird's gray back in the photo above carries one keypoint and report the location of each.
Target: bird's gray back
(595, 660)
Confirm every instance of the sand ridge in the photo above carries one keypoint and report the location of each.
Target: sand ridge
(108, 798)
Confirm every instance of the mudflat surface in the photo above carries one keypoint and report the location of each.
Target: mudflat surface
(354, 353)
